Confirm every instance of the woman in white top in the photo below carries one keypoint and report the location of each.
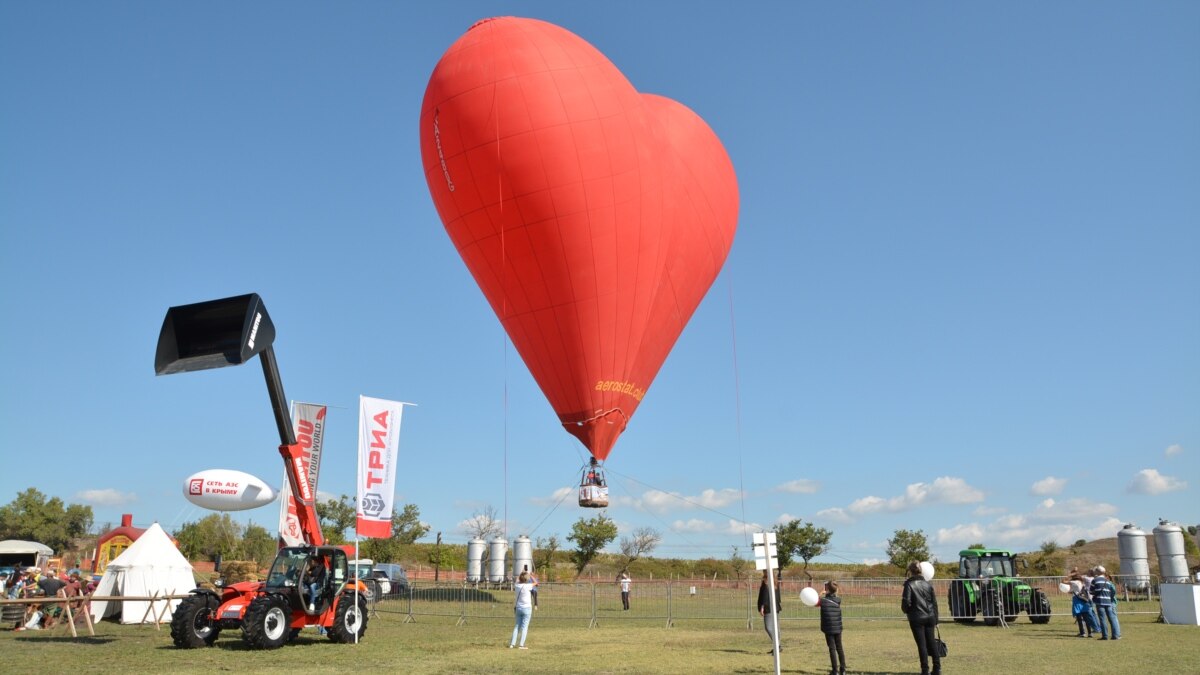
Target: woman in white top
(523, 609)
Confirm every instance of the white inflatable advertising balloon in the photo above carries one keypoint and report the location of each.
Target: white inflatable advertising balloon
(809, 596)
(227, 490)
(927, 570)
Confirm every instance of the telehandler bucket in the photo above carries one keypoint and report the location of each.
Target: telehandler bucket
(213, 334)
(219, 333)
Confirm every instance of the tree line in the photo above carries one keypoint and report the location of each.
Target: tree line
(33, 516)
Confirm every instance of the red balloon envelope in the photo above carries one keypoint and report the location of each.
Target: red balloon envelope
(594, 218)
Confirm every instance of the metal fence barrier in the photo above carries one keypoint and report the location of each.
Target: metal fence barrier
(1035, 599)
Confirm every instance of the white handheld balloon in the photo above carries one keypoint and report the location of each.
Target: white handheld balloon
(1077, 586)
(809, 596)
(1064, 588)
(927, 570)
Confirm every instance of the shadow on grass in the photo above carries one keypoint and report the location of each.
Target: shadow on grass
(82, 640)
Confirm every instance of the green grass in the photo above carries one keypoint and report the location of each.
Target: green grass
(437, 645)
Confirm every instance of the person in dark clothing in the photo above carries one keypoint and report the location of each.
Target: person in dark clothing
(919, 603)
(765, 610)
(831, 626)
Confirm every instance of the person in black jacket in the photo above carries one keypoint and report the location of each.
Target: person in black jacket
(920, 605)
(764, 609)
(831, 626)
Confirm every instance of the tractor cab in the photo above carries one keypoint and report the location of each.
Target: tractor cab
(309, 576)
(593, 488)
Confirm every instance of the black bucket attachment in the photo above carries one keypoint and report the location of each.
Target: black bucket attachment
(213, 334)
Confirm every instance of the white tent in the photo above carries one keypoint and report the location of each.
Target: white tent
(151, 566)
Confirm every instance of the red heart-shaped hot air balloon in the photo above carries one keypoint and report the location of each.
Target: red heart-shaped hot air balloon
(594, 218)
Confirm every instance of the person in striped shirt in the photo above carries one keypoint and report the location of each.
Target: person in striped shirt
(1104, 597)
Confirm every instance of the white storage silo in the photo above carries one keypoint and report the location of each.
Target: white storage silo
(475, 549)
(496, 551)
(1172, 563)
(522, 556)
(1135, 562)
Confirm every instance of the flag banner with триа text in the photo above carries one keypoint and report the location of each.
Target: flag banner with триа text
(378, 446)
(308, 423)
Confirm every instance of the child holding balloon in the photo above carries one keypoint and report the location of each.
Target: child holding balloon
(831, 626)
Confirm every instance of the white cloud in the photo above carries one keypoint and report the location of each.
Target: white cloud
(1173, 450)
(105, 497)
(984, 511)
(738, 529)
(836, 515)
(1048, 486)
(661, 502)
(803, 486)
(1070, 510)
(1151, 482)
(943, 490)
(962, 535)
(694, 525)
(555, 497)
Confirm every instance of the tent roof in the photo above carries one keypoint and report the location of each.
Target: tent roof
(152, 549)
(19, 546)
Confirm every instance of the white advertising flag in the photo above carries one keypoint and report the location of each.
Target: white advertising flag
(308, 423)
(378, 446)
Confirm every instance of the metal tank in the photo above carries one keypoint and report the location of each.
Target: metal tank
(522, 555)
(496, 551)
(1135, 562)
(1172, 563)
(475, 549)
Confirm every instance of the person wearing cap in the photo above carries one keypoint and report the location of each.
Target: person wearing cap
(1104, 597)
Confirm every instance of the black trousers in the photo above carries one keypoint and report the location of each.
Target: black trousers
(923, 634)
(836, 655)
(625, 599)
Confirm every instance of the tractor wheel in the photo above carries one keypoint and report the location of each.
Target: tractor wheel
(347, 622)
(266, 624)
(1040, 609)
(961, 607)
(193, 623)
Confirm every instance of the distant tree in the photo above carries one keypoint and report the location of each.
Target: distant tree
(641, 542)
(1192, 530)
(906, 546)
(590, 535)
(211, 536)
(407, 527)
(48, 521)
(738, 564)
(976, 547)
(337, 516)
(1079, 542)
(1049, 547)
(483, 524)
(258, 544)
(545, 561)
(800, 540)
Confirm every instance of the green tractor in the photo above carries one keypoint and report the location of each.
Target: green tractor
(987, 584)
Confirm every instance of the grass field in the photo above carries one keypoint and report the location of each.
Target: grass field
(437, 645)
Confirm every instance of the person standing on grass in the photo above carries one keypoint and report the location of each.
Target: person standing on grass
(624, 582)
(766, 611)
(1104, 597)
(831, 626)
(919, 603)
(523, 608)
(533, 578)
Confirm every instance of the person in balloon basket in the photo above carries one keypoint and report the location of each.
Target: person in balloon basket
(522, 608)
(919, 604)
(1104, 597)
(766, 611)
(831, 626)
(624, 581)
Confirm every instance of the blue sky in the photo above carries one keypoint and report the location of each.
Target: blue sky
(965, 287)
